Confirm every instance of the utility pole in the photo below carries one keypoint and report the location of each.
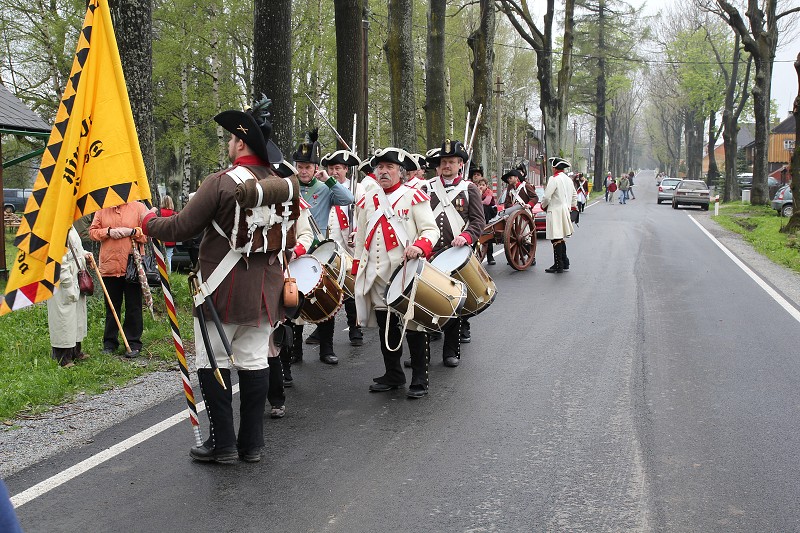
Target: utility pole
(499, 135)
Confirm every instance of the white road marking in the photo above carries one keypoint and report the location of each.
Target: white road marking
(97, 459)
(793, 312)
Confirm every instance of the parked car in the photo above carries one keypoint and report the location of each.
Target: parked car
(15, 199)
(691, 192)
(666, 188)
(746, 182)
(782, 202)
(539, 214)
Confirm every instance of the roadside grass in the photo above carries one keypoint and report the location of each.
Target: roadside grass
(760, 226)
(32, 381)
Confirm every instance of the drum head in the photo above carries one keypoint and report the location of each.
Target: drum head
(452, 259)
(308, 272)
(325, 251)
(396, 286)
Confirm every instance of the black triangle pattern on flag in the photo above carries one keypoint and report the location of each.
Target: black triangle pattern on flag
(36, 243)
(51, 286)
(68, 103)
(81, 56)
(81, 204)
(87, 34)
(20, 238)
(76, 79)
(61, 127)
(123, 190)
(99, 196)
(30, 218)
(39, 197)
(47, 173)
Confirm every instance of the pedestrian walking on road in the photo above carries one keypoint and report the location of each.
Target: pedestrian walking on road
(611, 188)
(624, 186)
(630, 189)
(558, 200)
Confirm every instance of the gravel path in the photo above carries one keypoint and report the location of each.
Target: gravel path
(30, 440)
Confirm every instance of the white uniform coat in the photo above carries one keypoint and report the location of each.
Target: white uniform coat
(559, 198)
(66, 309)
(376, 263)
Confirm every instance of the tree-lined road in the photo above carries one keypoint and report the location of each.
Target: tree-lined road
(650, 388)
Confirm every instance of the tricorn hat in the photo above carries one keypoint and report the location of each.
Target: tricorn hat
(558, 162)
(453, 149)
(520, 172)
(475, 169)
(252, 127)
(432, 158)
(366, 166)
(340, 157)
(309, 150)
(415, 162)
(391, 155)
(284, 169)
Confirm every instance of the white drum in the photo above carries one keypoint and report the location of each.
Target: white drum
(322, 296)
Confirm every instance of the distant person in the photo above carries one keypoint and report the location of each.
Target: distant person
(630, 188)
(624, 187)
(582, 188)
(66, 309)
(167, 210)
(116, 228)
(611, 188)
(489, 211)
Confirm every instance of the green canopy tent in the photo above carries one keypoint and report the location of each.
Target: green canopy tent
(16, 119)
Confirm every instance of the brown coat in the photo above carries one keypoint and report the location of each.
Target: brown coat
(469, 206)
(114, 252)
(526, 194)
(253, 290)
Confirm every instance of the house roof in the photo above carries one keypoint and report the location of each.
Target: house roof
(786, 125)
(14, 115)
(746, 134)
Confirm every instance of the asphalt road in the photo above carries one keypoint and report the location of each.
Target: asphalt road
(651, 388)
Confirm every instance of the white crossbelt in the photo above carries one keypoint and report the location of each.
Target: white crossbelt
(457, 223)
(385, 209)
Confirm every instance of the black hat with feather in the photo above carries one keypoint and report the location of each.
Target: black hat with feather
(252, 127)
(309, 150)
(520, 172)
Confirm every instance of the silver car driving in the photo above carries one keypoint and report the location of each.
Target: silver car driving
(691, 192)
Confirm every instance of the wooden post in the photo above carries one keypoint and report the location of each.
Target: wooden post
(3, 269)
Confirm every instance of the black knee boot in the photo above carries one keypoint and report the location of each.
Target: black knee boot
(297, 343)
(465, 335)
(394, 375)
(557, 266)
(220, 447)
(451, 351)
(564, 258)
(420, 348)
(354, 331)
(325, 330)
(253, 387)
(276, 395)
(490, 253)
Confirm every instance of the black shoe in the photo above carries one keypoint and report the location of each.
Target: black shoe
(554, 269)
(356, 337)
(313, 338)
(407, 363)
(132, 354)
(209, 454)
(490, 260)
(465, 338)
(297, 359)
(416, 391)
(329, 359)
(250, 456)
(452, 362)
(382, 387)
(287, 382)
(109, 351)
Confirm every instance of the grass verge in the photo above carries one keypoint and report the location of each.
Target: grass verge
(760, 226)
(33, 382)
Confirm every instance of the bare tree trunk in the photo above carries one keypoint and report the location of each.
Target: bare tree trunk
(349, 62)
(400, 56)
(713, 135)
(435, 111)
(451, 125)
(214, 11)
(600, 101)
(272, 65)
(481, 41)
(694, 145)
(186, 182)
(133, 26)
(761, 94)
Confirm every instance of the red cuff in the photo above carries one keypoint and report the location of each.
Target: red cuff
(145, 220)
(299, 250)
(425, 245)
(468, 237)
(354, 270)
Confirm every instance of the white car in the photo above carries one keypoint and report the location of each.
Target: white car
(666, 188)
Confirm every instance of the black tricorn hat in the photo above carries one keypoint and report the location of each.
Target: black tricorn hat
(475, 169)
(415, 162)
(252, 127)
(520, 172)
(558, 162)
(453, 149)
(341, 157)
(391, 155)
(432, 158)
(284, 169)
(309, 150)
(366, 166)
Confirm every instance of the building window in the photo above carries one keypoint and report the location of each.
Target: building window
(788, 144)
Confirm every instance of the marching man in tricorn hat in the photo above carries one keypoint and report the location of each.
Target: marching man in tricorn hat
(248, 298)
(393, 222)
(559, 198)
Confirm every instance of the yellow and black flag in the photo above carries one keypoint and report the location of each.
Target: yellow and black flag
(92, 161)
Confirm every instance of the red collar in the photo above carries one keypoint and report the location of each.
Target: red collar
(252, 160)
(455, 181)
(392, 188)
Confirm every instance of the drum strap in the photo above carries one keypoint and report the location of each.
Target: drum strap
(515, 193)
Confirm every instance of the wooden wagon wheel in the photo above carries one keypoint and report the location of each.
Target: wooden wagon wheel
(520, 240)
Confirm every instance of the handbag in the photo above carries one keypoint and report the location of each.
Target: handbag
(85, 281)
(150, 269)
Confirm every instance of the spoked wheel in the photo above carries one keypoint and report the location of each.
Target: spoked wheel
(520, 240)
(482, 248)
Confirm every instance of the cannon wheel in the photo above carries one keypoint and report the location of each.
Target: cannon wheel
(520, 240)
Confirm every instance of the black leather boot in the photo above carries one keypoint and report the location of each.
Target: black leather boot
(326, 354)
(465, 335)
(253, 387)
(564, 258)
(354, 332)
(285, 355)
(394, 376)
(220, 447)
(420, 349)
(557, 266)
(297, 344)
(276, 394)
(451, 351)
